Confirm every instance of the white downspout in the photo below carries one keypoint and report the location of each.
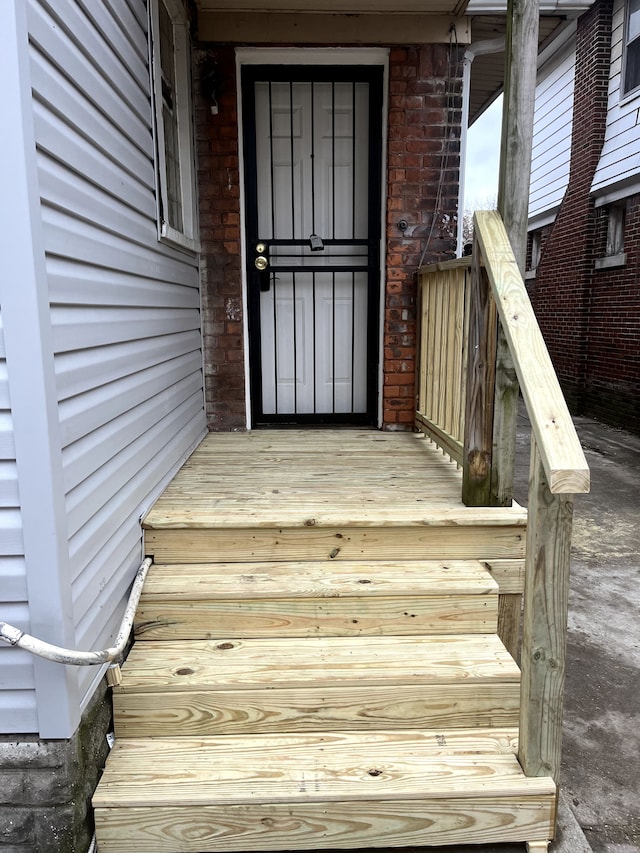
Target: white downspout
(476, 49)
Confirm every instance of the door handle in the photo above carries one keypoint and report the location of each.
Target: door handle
(261, 263)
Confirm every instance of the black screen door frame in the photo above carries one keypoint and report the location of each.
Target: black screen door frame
(373, 75)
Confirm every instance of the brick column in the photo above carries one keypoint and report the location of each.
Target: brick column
(221, 277)
(422, 189)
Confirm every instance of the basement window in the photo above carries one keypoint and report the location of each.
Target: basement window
(173, 125)
(614, 253)
(632, 47)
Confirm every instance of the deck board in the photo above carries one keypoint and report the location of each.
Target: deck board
(318, 478)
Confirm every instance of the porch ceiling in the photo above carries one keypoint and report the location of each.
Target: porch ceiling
(423, 7)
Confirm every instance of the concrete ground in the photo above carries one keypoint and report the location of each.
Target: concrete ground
(600, 778)
(599, 807)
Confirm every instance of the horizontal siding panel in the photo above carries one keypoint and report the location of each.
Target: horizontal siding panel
(78, 372)
(13, 580)
(91, 495)
(7, 442)
(80, 328)
(11, 541)
(81, 415)
(18, 711)
(67, 237)
(620, 157)
(117, 516)
(127, 41)
(5, 401)
(9, 494)
(58, 140)
(131, 16)
(79, 284)
(86, 121)
(94, 71)
(123, 551)
(84, 457)
(552, 134)
(16, 665)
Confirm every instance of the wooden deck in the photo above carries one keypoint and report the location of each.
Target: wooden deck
(322, 656)
(313, 478)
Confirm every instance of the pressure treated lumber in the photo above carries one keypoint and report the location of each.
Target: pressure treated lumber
(317, 599)
(209, 712)
(558, 444)
(233, 686)
(487, 540)
(319, 791)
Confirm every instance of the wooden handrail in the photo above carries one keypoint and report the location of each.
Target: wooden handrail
(564, 462)
(497, 308)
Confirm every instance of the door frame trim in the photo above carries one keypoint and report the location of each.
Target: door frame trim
(311, 56)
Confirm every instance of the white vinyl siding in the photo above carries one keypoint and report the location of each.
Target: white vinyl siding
(552, 131)
(125, 326)
(618, 172)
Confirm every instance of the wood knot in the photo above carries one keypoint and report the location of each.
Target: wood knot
(185, 670)
(374, 772)
(224, 646)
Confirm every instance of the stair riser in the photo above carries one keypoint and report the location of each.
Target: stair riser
(486, 542)
(311, 710)
(322, 826)
(330, 617)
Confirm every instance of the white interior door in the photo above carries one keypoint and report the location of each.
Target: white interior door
(311, 149)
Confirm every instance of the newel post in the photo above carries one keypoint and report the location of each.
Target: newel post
(481, 365)
(544, 624)
(521, 52)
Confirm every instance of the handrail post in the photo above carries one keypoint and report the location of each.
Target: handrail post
(544, 637)
(478, 424)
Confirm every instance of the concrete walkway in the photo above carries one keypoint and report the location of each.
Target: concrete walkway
(601, 751)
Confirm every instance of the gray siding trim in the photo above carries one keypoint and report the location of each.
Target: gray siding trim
(33, 405)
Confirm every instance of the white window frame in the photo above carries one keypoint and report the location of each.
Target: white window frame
(187, 237)
(628, 44)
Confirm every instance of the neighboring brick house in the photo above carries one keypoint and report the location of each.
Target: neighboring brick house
(584, 241)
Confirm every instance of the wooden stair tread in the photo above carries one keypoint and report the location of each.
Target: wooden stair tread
(304, 511)
(319, 579)
(313, 768)
(316, 662)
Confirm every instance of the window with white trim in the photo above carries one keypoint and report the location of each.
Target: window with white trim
(632, 47)
(173, 124)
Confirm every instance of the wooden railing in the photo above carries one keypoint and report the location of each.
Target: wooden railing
(498, 308)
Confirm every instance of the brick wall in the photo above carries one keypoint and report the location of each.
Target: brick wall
(221, 276)
(422, 188)
(612, 379)
(591, 317)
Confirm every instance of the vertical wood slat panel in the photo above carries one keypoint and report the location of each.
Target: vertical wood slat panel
(441, 362)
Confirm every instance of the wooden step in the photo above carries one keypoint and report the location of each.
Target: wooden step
(259, 685)
(237, 600)
(461, 535)
(339, 790)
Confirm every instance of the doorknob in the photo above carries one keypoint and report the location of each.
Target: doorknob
(261, 263)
